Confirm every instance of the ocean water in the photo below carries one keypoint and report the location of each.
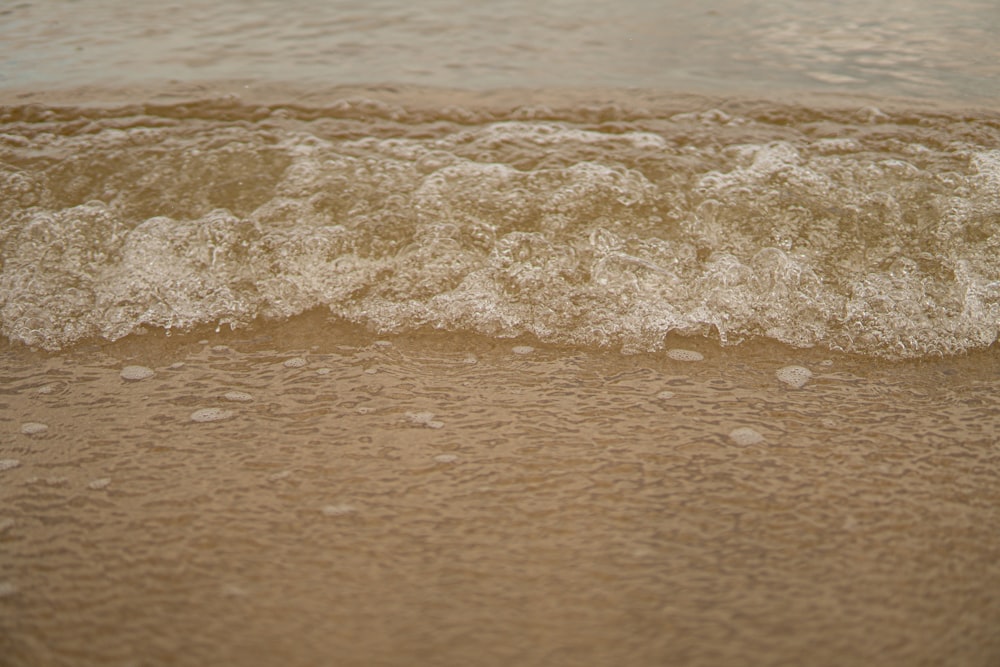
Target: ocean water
(464, 333)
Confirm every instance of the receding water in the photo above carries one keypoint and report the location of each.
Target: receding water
(567, 333)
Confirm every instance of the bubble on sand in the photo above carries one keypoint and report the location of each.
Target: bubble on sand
(745, 435)
(522, 349)
(322, 371)
(7, 464)
(210, 415)
(445, 458)
(685, 355)
(665, 395)
(364, 409)
(7, 588)
(33, 428)
(338, 510)
(136, 373)
(238, 396)
(424, 419)
(99, 484)
(295, 362)
(795, 376)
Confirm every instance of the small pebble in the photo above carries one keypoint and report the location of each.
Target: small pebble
(210, 415)
(136, 373)
(794, 376)
(8, 464)
(33, 428)
(745, 436)
(99, 484)
(295, 362)
(685, 355)
(238, 396)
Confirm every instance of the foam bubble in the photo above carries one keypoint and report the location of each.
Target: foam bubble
(7, 464)
(665, 395)
(238, 396)
(445, 458)
(99, 484)
(338, 510)
(745, 435)
(322, 371)
(137, 373)
(210, 415)
(365, 409)
(33, 428)
(295, 362)
(795, 376)
(424, 419)
(522, 349)
(685, 355)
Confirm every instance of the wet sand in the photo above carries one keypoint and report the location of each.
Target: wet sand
(444, 499)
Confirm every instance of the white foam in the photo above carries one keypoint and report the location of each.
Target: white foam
(238, 396)
(99, 484)
(338, 510)
(210, 415)
(745, 435)
(7, 464)
(424, 419)
(522, 349)
(295, 362)
(685, 355)
(795, 376)
(137, 373)
(33, 428)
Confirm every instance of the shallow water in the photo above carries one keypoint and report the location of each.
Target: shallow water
(450, 500)
(462, 334)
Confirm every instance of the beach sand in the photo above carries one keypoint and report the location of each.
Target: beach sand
(307, 492)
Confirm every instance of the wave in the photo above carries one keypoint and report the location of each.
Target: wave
(858, 229)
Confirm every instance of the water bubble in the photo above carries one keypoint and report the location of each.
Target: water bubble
(295, 362)
(99, 484)
(338, 510)
(522, 349)
(424, 419)
(685, 355)
(238, 396)
(136, 373)
(745, 435)
(210, 415)
(7, 464)
(365, 409)
(665, 395)
(445, 458)
(33, 428)
(795, 376)
(322, 371)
